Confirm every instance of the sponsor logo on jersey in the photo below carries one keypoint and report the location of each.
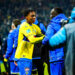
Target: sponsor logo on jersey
(28, 31)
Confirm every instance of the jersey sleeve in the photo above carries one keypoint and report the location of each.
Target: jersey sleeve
(58, 38)
(9, 45)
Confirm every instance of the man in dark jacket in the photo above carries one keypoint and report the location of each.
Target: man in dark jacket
(37, 62)
(67, 33)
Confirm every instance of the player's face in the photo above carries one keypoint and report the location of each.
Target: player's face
(31, 17)
(12, 26)
(52, 14)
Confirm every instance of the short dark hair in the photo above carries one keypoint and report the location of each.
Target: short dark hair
(58, 10)
(27, 11)
(16, 22)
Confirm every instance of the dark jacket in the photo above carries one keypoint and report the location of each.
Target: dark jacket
(1, 56)
(4, 46)
(37, 46)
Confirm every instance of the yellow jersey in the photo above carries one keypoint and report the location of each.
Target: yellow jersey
(25, 48)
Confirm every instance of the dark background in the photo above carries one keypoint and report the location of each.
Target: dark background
(10, 9)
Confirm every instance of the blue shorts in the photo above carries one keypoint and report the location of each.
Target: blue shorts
(56, 68)
(13, 68)
(25, 66)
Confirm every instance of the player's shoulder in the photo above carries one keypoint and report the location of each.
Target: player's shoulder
(13, 31)
(36, 26)
(24, 25)
(11, 34)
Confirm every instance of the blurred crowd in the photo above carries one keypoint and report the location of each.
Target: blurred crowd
(10, 9)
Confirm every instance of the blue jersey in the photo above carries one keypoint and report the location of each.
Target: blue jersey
(16, 37)
(52, 28)
(10, 45)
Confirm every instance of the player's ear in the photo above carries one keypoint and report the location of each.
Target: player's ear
(26, 17)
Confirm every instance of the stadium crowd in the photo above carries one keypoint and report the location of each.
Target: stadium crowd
(11, 9)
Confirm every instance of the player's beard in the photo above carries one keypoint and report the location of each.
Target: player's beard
(32, 20)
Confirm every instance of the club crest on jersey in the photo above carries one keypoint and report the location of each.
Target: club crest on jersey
(28, 31)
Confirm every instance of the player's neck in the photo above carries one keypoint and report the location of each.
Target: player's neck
(29, 23)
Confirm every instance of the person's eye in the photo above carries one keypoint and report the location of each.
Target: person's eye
(33, 16)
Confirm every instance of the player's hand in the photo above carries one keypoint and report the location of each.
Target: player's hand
(43, 36)
(3, 55)
(15, 63)
(5, 60)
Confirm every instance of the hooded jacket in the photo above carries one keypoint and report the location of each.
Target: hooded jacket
(67, 33)
(53, 27)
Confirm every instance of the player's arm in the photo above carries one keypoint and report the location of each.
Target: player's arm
(49, 33)
(39, 32)
(42, 27)
(31, 37)
(34, 39)
(9, 46)
(58, 38)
